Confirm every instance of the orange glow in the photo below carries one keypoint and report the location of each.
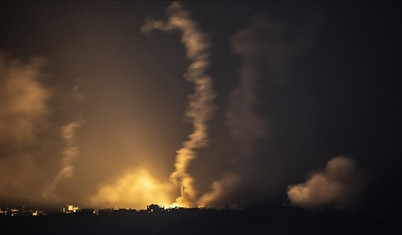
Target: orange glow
(175, 204)
(135, 189)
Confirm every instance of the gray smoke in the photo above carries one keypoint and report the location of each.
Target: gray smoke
(245, 124)
(264, 49)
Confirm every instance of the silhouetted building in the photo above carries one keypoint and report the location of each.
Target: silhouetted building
(123, 211)
(143, 212)
(154, 208)
(86, 211)
(108, 211)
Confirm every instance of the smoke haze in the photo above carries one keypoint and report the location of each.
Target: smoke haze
(24, 112)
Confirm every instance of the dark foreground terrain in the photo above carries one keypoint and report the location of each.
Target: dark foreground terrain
(258, 220)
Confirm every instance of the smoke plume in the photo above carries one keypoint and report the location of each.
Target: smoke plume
(70, 151)
(263, 46)
(338, 184)
(24, 113)
(22, 100)
(267, 54)
(200, 105)
(245, 124)
(260, 42)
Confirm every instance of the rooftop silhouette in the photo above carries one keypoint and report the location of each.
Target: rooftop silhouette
(159, 220)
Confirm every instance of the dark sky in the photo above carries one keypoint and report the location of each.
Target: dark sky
(98, 118)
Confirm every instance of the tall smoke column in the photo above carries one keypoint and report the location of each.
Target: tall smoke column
(70, 152)
(243, 121)
(200, 105)
(262, 42)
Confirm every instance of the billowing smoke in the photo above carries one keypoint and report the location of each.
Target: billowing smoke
(200, 105)
(24, 112)
(337, 185)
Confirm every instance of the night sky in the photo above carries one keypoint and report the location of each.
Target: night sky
(125, 104)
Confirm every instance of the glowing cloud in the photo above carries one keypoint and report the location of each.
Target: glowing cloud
(135, 189)
(24, 113)
(338, 184)
(23, 98)
(200, 105)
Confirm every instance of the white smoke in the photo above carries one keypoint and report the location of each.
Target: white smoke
(200, 106)
(338, 184)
